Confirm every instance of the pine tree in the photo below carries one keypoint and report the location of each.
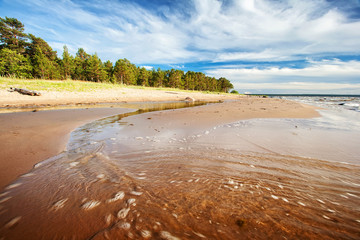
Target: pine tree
(109, 69)
(95, 71)
(157, 78)
(175, 77)
(143, 78)
(225, 85)
(12, 35)
(80, 64)
(125, 72)
(43, 58)
(67, 64)
(41, 64)
(14, 64)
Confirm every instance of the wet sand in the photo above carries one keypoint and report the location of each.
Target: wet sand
(30, 137)
(184, 174)
(27, 138)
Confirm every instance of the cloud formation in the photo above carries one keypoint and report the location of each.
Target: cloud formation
(213, 31)
(327, 75)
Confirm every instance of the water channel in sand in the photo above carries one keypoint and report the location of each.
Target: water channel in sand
(118, 180)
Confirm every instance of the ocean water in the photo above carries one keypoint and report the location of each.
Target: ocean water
(251, 179)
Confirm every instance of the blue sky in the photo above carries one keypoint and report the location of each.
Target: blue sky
(261, 46)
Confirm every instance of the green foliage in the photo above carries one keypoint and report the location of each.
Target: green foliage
(14, 64)
(125, 72)
(12, 35)
(234, 92)
(67, 64)
(26, 56)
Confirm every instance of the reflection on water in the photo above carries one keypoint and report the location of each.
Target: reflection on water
(109, 186)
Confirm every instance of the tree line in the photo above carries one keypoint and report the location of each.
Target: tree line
(27, 56)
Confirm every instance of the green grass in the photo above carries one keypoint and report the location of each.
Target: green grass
(75, 86)
(50, 85)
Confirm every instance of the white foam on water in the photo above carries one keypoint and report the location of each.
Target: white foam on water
(12, 222)
(118, 196)
(167, 236)
(108, 219)
(90, 205)
(302, 204)
(60, 204)
(274, 197)
(145, 233)
(123, 213)
(14, 185)
(124, 225)
(136, 193)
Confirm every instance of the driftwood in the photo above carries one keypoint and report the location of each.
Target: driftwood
(25, 91)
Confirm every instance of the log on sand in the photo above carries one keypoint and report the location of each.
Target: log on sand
(25, 91)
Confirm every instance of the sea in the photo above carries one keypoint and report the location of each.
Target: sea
(250, 179)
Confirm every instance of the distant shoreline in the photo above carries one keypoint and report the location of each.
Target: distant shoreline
(305, 95)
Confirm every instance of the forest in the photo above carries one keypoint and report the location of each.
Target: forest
(27, 56)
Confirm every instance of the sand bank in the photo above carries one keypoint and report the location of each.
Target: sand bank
(30, 137)
(52, 98)
(27, 138)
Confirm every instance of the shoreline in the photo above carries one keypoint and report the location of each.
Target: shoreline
(112, 96)
(30, 137)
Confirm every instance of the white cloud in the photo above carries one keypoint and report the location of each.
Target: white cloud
(322, 75)
(247, 30)
(147, 67)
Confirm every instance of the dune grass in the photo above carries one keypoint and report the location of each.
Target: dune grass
(75, 86)
(54, 85)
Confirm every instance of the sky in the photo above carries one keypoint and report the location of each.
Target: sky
(261, 46)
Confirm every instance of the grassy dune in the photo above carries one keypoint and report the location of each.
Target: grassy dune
(73, 85)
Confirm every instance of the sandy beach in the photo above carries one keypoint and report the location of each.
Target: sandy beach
(30, 137)
(218, 171)
(54, 98)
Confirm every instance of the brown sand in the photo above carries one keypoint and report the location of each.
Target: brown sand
(30, 137)
(204, 117)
